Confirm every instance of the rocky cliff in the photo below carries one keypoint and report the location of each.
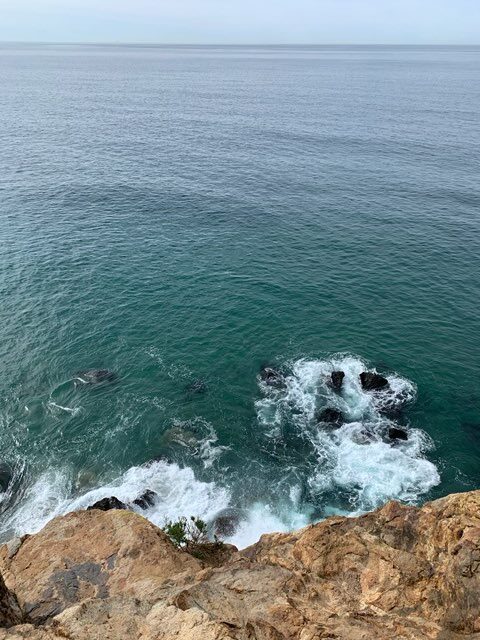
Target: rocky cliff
(400, 572)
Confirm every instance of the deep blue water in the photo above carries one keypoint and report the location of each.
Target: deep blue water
(186, 215)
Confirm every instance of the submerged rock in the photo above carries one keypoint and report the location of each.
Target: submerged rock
(105, 504)
(373, 381)
(6, 476)
(395, 433)
(197, 386)
(330, 415)
(272, 377)
(95, 376)
(225, 523)
(146, 499)
(336, 379)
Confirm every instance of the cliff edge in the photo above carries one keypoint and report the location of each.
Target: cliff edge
(398, 573)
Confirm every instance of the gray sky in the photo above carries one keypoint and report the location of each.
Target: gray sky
(242, 21)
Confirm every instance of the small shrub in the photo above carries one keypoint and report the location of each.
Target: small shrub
(185, 532)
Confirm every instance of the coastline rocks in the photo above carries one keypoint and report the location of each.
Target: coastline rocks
(330, 416)
(336, 379)
(398, 572)
(373, 381)
(106, 504)
(147, 499)
(95, 376)
(91, 556)
(272, 377)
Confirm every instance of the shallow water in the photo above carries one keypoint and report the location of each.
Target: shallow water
(183, 216)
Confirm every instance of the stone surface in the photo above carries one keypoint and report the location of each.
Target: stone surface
(373, 381)
(402, 573)
(336, 379)
(10, 612)
(105, 504)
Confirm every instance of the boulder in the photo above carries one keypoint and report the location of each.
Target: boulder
(336, 379)
(373, 381)
(272, 377)
(105, 504)
(330, 415)
(395, 433)
(146, 499)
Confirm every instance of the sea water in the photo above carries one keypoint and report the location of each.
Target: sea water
(184, 216)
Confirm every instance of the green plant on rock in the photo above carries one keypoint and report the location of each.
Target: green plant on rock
(185, 532)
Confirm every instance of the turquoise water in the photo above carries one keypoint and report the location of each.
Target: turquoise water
(186, 215)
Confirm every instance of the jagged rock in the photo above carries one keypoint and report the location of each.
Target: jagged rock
(330, 415)
(95, 376)
(146, 499)
(399, 572)
(272, 377)
(337, 379)
(105, 504)
(394, 433)
(10, 612)
(373, 381)
(91, 554)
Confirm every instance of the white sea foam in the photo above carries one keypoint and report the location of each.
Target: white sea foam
(356, 459)
(179, 494)
(72, 410)
(260, 519)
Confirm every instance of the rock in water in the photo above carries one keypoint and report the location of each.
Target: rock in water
(6, 475)
(330, 415)
(337, 379)
(373, 381)
(95, 376)
(394, 433)
(272, 377)
(105, 504)
(146, 499)
(226, 523)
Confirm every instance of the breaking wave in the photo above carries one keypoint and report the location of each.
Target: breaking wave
(311, 468)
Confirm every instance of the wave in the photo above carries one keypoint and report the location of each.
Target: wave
(313, 469)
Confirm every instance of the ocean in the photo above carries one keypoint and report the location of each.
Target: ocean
(185, 216)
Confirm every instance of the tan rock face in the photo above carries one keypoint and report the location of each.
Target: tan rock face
(399, 573)
(90, 554)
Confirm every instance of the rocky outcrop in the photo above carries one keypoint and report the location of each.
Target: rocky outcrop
(402, 573)
(373, 381)
(336, 379)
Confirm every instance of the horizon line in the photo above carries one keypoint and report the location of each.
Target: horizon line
(238, 44)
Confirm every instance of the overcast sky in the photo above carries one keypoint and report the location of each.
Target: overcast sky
(242, 21)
